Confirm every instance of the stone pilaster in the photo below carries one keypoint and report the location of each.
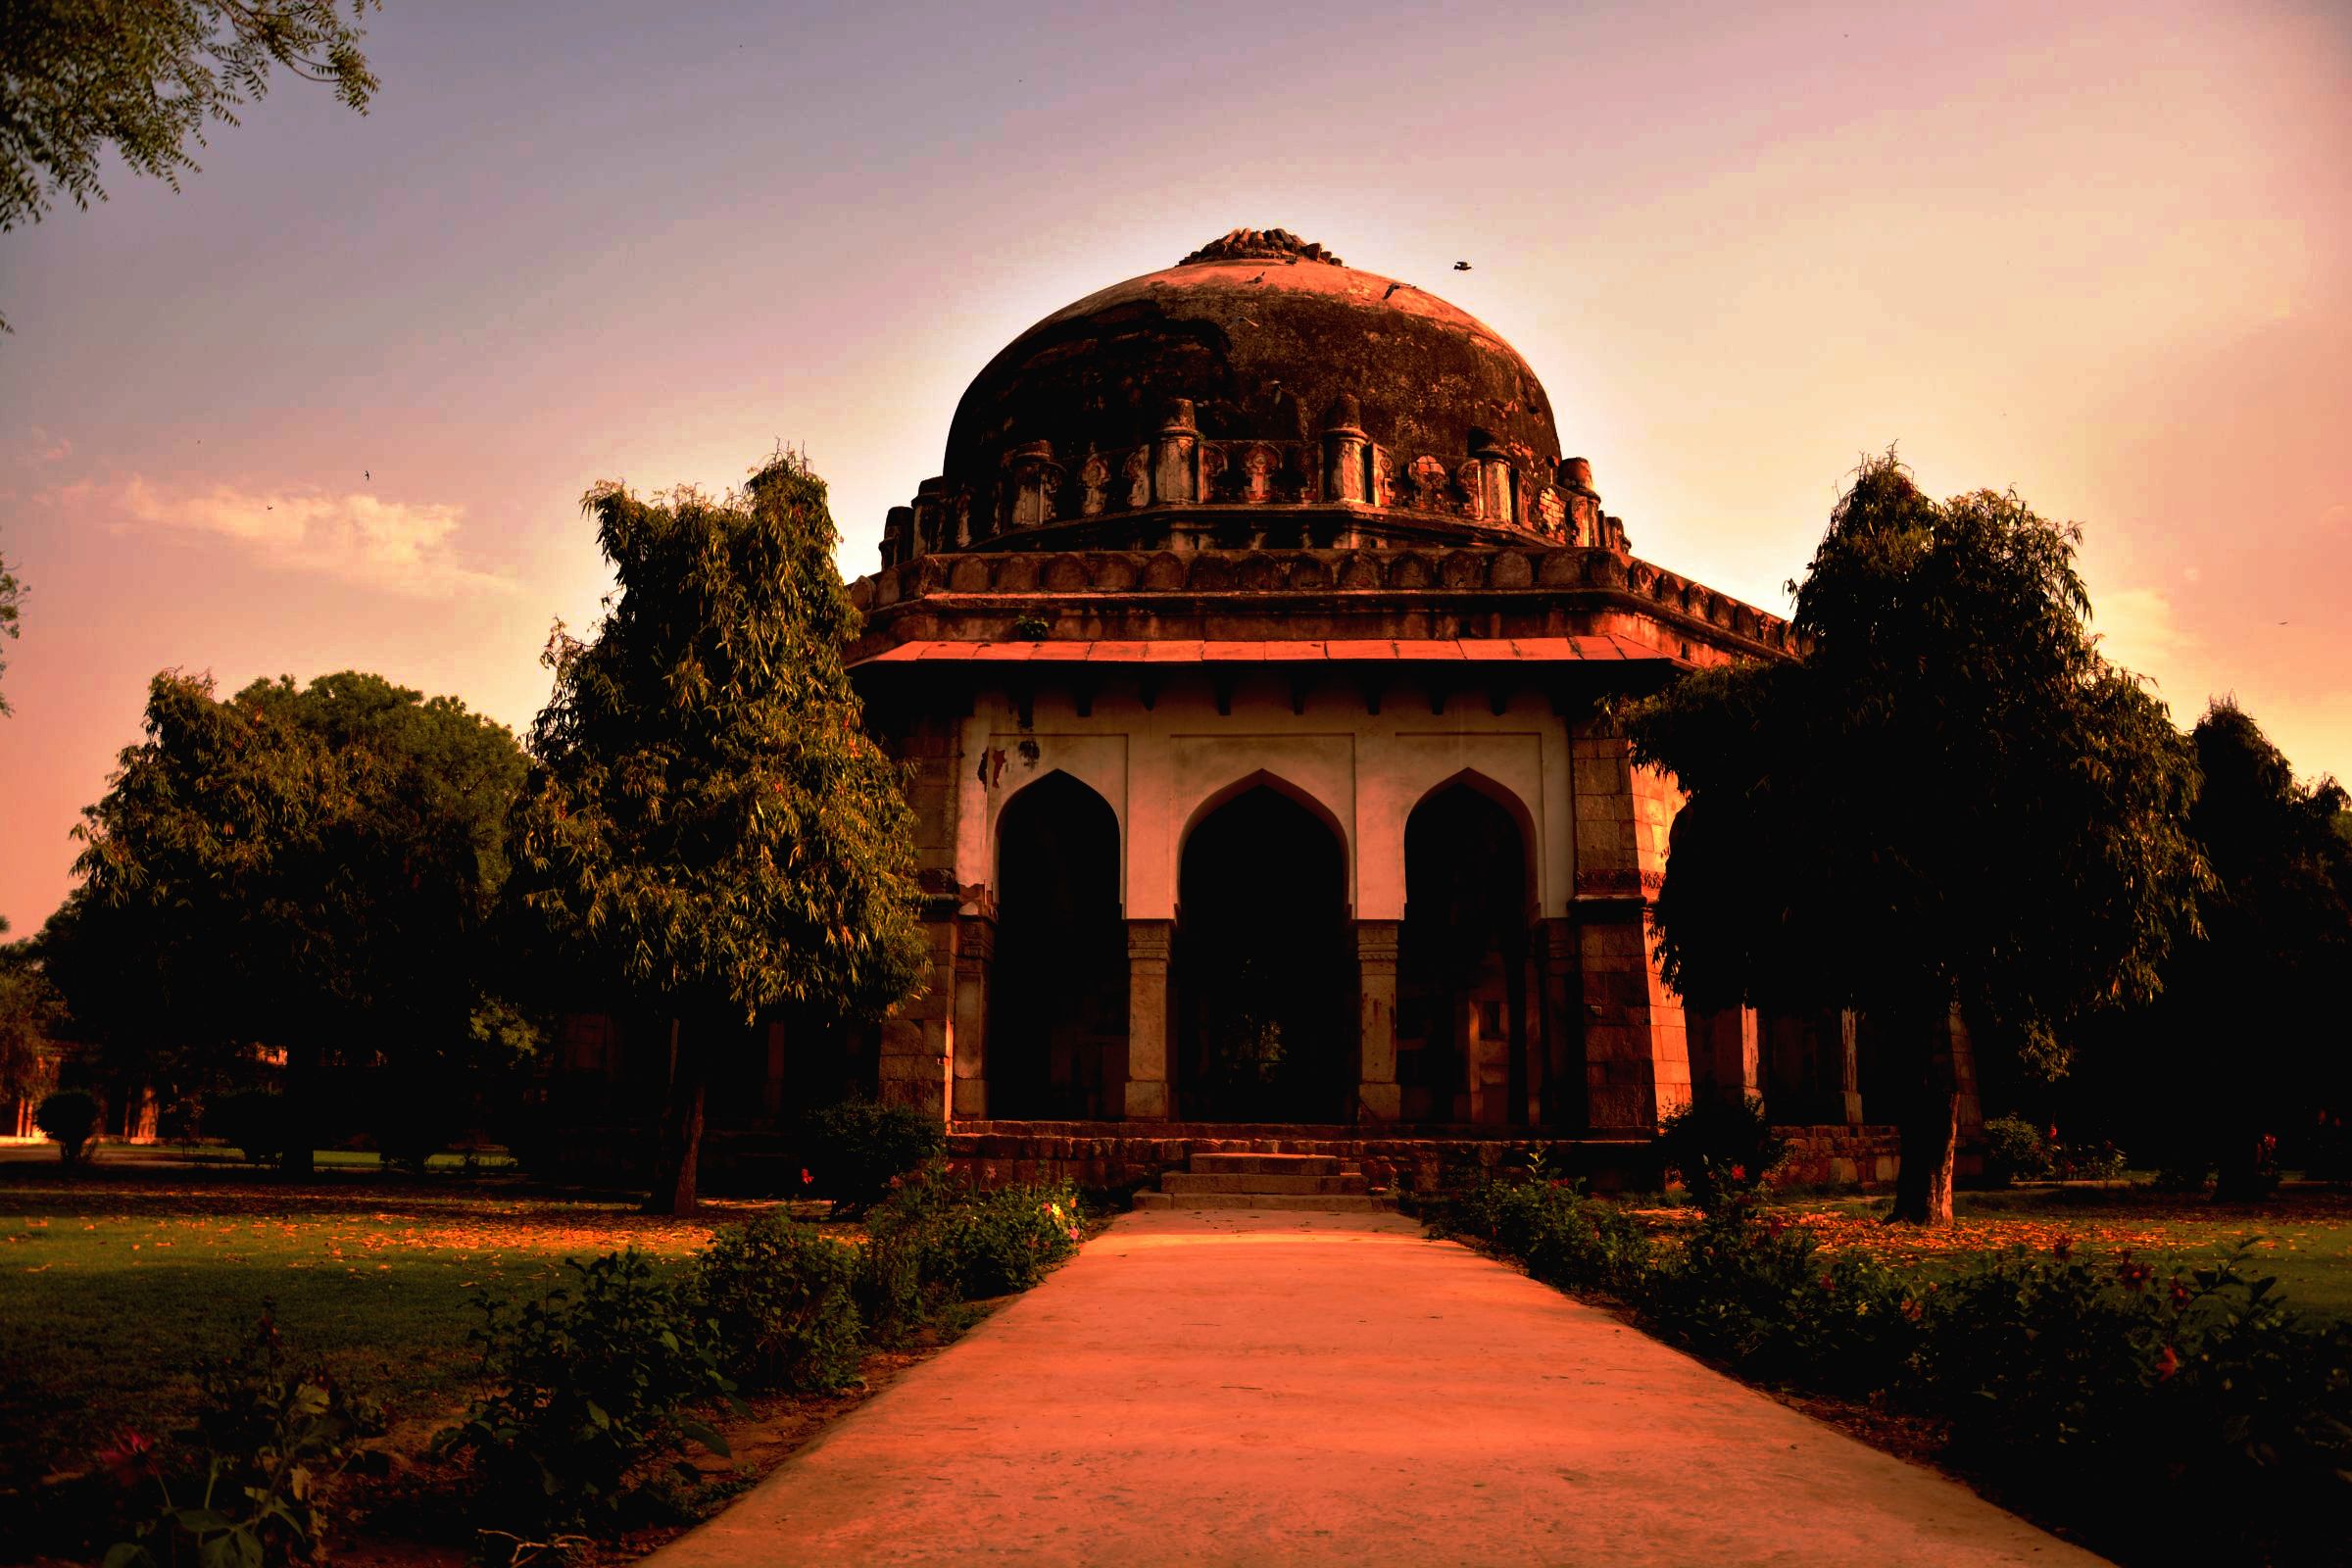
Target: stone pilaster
(1636, 1058)
(1146, 1091)
(918, 1037)
(975, 953)
(1850, 1067)
(1726, 1052)
(1377, 1096)
(1560, 983)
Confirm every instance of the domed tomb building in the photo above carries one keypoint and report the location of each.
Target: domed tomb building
(1250, 657)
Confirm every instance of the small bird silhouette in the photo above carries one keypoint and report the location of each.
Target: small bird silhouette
(1461, 266)
(1394, 287)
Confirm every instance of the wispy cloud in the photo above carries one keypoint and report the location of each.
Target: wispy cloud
(356, 536)
(2139, 630)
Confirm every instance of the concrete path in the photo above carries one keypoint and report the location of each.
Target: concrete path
(1229, 1388)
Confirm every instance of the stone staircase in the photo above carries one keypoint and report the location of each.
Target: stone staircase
(1265, 1183)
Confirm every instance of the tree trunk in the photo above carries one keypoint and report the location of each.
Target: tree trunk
(1931, 1132)
(678, 1143)
(301, 1108)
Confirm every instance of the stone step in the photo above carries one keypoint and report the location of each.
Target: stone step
(1267, 1202)
(1250, 1181)
(1268, 1165)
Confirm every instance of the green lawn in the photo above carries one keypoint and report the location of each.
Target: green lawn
(2303, 1236)
(116, 1282)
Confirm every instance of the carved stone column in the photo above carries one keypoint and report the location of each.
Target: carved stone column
(1147, 1094)
(1377, 1096)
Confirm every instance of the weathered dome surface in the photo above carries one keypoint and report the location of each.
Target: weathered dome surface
(1264, 335)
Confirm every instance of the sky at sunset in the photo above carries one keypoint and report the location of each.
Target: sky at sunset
(333, 404)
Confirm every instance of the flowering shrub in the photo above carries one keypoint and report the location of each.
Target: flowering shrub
(2013, 1148)
(2101, 1161)
(858, 1150)
(779, 1299)
(581, 1387)
(1003, 1240)
(1721, 1150)
(1759, 1294)
(251, 1485)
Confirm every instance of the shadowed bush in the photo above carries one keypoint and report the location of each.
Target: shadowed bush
(780, 1305)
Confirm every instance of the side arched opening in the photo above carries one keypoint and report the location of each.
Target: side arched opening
(1462, 1016)
(1057, 997)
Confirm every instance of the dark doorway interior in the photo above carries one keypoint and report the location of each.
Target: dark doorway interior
(1462, 1026)
(1263, 974)
(1056, 1044)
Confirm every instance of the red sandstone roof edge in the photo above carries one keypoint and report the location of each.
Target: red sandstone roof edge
(1180, 651)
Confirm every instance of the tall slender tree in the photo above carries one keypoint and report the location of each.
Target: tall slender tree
(709, 832)
(1950, 806)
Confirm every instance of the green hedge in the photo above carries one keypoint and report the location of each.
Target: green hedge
(2067, 1384)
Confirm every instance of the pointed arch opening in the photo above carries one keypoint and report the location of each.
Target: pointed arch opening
(1261, 969)
(1057, 1031)
(1464, 1024)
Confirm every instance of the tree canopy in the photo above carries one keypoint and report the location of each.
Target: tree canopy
(310, 868)
(144, 77)
(2268, 968)
(708, 830)
(1949, 800)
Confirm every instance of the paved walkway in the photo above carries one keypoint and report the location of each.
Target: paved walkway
(1334, 1388)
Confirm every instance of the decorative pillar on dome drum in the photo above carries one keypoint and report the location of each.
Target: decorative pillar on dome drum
(1346, 476)
(1176, 456)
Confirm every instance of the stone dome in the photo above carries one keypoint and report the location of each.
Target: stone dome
(1267, 337)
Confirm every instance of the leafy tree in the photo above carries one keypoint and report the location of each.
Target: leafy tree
(309, 868)
(143, 78)
(1949, 807)
(12, 601)
(707, 831)
(2264, 981)
(32, 1023)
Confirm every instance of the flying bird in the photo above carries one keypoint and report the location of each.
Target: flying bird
(366, 474)
(1461, 266)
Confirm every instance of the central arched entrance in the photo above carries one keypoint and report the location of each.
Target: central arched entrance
(1264, 997)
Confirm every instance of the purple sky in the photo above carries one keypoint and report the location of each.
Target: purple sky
(333, 406)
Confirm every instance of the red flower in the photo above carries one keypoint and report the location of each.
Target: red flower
(2063, 1247)
(130, 1460)
(2166, 1364)
(1739, 1173)
(2180, 1296)
(805, 1178)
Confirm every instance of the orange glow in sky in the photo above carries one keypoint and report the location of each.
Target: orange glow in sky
(333, 404)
